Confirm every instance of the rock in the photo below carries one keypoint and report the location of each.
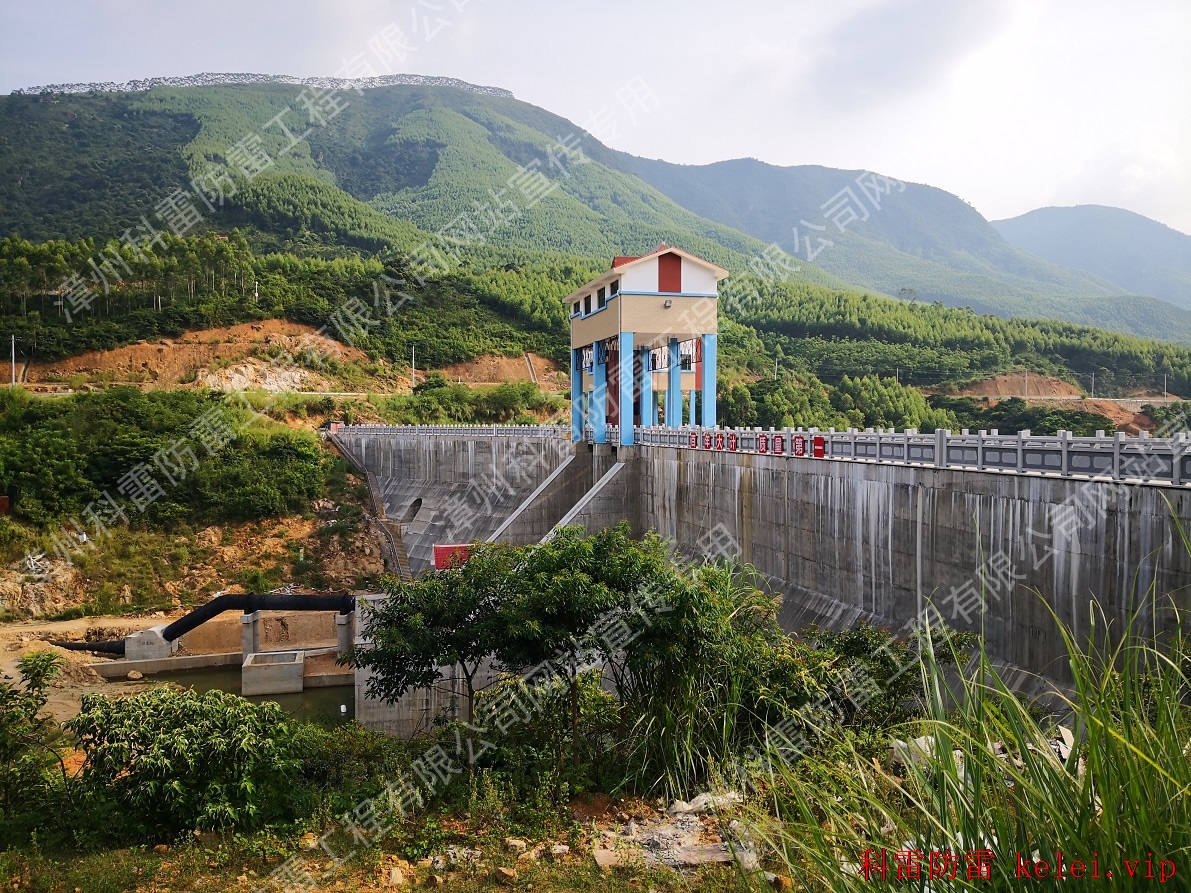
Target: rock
(506, 876)
(607, 859)
(781, 882)
(397, 877)
(161, 847)
(309, 841)
(516, 845)
(423, 863)
(704, 803)
(438, 863)
(134, 675)
(559, 849)
(435, 880)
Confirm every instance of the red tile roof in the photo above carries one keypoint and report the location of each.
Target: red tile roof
(621, 259)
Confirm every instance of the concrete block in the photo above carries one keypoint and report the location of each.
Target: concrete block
(272, 673)
(345, 629)
(148, 644)
(250, 633)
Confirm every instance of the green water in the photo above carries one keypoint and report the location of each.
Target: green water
(318, 705)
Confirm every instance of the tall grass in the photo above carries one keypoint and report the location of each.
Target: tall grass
(991, 777)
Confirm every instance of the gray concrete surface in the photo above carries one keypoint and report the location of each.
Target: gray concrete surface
(843, 540)
(451, 489)
(272, 673)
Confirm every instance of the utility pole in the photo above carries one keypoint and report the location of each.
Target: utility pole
(1093, 385)
(1027, 389)
(1165, 399)
(775, 369)
(413, 353)
(14, 361)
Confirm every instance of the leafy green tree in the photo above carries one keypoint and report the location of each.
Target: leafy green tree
(570, 591)
(444, 619)
(27, 736)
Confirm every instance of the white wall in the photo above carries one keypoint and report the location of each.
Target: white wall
(697, 279)
(641, 277)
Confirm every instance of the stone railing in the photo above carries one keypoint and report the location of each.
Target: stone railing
(552, 432)
(1117, 457)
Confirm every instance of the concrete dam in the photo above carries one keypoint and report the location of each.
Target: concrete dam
(994, 532)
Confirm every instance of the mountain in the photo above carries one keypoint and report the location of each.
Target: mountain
(1136, 253)
(330, 168)
(382, 168)
(894, 238)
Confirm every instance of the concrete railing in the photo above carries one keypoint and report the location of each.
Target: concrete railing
(1118, 457)
(552, 432)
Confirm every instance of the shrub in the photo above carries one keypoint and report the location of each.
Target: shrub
(180, 760)
(27, 741)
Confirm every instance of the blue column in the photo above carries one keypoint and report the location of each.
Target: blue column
(626, 379)
(708, 383)
(599, 394)
(576, 395)
(694, 408)
(674, 388)
(647, 399)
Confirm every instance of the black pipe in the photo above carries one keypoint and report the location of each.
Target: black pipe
(114, 646)
(250, 602)
(247, 602)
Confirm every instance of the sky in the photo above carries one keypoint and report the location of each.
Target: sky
(1009, 104)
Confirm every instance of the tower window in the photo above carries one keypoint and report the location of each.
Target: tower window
(601, 298)
(587, 305)
(575, 307)
(614, 288)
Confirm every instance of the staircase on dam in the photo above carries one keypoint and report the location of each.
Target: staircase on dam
(881, 533)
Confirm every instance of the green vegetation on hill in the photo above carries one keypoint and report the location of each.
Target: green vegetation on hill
(427, 155)
(58, 456)
(1138, 254)
(832, 334)
(203, 281)
(79, 167)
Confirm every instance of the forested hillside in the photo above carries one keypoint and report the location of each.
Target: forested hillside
(454, 222)
(483, 170)
(505, 303)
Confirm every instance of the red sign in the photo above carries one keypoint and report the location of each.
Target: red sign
(719, 440)
(799, 445)
(779, 444)
(450, 555)
(818, 447)
(733, 440)
(707, 441)
(762, 443)
(693, 441)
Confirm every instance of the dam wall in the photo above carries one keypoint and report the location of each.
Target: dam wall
(841, 540)
(457, 486)
(998, 552)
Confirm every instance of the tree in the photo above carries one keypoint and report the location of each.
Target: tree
(446, 618)
(571, 595)
(27, 736)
